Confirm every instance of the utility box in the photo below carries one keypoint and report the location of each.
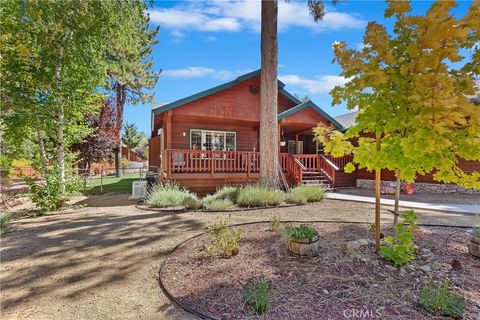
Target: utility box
(139, 189)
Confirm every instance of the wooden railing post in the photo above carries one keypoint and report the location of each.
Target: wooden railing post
(248, 163)
(212, 162)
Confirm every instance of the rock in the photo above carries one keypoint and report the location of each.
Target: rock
(364, 260)
(391, 268)
(375, 285)
(426, 268)
(355, 245)
(363, 242)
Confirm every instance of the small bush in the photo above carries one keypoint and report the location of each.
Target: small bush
(224, 240)
(295, 198)
(4, 219)
(399, 248)
(218, 205)
(258, 296)
(169, 195)
(299, 232)
(476, 232)
(441, 300)
(258, 196)
(226, 192)
(275, 223)
(313, 193)
(48, 195)
(191, 202)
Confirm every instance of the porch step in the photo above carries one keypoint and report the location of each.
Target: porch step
(315, 177)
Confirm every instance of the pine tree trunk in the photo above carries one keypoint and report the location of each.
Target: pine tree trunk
(377, 200)
(397, 197)
(120, 102)
(269, 95)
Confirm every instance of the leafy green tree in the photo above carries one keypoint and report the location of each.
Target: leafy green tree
(130, 70)
(131, 137)
(414, 113)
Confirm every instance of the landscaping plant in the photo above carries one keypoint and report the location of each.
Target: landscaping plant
(224, 240)
(476, 232)
(259, 196)
(227, 192)
(399, 247)
(218, 205)
(293, 233)
(312, 193)
(48, 195)
(258, 296)
(441, 300)
(4, 219)
(295, 198)
(275, 223)
(169, 195)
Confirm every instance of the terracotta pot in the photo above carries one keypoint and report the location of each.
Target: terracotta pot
(474, 247)
(409, 188)
(304, 247)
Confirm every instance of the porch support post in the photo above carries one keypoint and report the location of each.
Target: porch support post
(279, 129)
(168, 128)
(297, 149)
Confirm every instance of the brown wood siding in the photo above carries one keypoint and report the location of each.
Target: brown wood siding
(154, 153)
(388, 175)
(207, 184)
(247, 134)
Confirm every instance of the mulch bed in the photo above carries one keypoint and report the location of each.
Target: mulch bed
(329, 286)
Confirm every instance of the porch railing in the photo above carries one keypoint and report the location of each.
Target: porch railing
(339, 162)
(198, 161)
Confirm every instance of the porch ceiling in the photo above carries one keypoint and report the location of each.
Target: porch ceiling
(297, 128)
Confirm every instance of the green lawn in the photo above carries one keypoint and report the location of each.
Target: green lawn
(112, 183)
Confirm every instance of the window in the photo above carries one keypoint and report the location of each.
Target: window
(292, 149)
(213, 140)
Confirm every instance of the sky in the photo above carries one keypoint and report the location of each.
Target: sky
(206, 43)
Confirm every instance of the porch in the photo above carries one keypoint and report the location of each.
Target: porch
(204, 170)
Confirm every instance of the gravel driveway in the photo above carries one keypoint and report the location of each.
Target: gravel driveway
(101, 261)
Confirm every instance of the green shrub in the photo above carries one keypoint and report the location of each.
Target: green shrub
(258, 296)
(227, 192)
(169, 195)
(191, 202)
(218, 205)
(4, 219)
(275, 223)
(224, 240)
(299, 232)
(399, 248)
(295, 198)
(313, 193)
(476, 232)
(441, 300)
(47, 195)
(258, 196)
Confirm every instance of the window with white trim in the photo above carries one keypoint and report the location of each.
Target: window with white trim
(213, 140)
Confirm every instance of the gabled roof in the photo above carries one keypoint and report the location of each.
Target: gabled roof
(172, 105)
(347, 120)
(309, 104)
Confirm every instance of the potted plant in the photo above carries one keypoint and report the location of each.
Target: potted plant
(474, 244)
(302, 240)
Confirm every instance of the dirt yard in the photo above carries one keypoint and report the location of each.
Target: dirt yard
(101, 260)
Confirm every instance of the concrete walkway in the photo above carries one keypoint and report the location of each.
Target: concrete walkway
(449, 207)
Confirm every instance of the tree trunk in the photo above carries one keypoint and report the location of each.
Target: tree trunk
(397, 196)
(43, 153)
(377, 200)
(120, 103)
(269, 95)
(60, 124)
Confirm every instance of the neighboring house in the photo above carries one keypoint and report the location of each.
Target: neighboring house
(212, 138)
(423, 183)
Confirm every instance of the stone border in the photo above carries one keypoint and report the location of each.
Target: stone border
(421, 187)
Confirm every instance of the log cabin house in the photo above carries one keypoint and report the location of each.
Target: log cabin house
(211, 138)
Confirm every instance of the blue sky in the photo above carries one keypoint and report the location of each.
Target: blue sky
(206, 43)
